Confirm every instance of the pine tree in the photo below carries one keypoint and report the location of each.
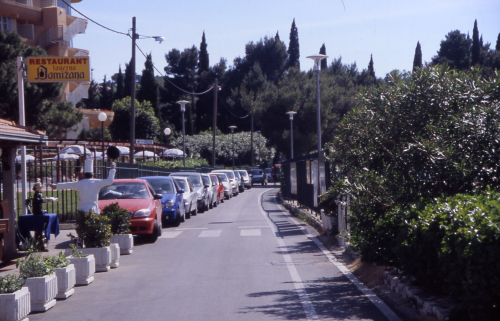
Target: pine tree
(203, 63)
(119, 93)
(417, 60)
(324, 63)
(127, 81)
(293, 47)
(497, 47)
(106, 100)
(476, 46)
(371, 70)
(149, 87)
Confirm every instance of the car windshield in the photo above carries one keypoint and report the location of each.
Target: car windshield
(195, 181)
(256, 172)
(162, 186)
(222, 177)
(124, 190)
(206, 180)
(230, 175)
(182, 184)
(243, 174)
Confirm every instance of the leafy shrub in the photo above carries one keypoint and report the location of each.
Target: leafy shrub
(75, 253)
(57, 261)
(93, 230)
(33, 266)
(11, 283)
(454, 247)
(118, 217)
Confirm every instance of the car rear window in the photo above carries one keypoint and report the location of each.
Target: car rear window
(162, 186)
(222, 177)
(124, 190)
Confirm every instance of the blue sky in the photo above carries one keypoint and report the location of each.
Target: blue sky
(388, 29)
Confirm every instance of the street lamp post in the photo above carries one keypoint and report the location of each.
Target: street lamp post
(183, 109)
(317, 60)
(232, 140)
(291, 113)
(102, 118)
(259, 144)
(167, 131)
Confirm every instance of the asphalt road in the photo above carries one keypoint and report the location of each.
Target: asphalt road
(247, 259)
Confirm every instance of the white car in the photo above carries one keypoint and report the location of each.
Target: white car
(232, 179)
(212, 190)
(227, 185)
(189, 195)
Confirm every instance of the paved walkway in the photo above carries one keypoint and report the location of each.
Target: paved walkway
(56, 244)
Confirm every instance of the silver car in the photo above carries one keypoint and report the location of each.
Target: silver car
(199, 187)
(189, 195)
(247, 180)
(232, 180)
(226, 183)
(212, 190)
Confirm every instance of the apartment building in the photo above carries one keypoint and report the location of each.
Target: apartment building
(50, 25)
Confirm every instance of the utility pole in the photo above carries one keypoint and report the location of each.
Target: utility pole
(132, 96)
(214, 119)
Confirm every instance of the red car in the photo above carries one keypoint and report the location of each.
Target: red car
(220, 188)
(139, 198)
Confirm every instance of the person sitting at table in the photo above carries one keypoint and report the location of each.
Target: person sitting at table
(38, 200)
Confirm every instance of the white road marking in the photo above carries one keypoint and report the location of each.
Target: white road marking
(305, 300)
(363, 288)
(253, 227)
(250, 232)
(210, 233)
(170, 234)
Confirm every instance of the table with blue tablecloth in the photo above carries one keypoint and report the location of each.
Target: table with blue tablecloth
(48, 223)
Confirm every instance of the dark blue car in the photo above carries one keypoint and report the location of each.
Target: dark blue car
(172, 202)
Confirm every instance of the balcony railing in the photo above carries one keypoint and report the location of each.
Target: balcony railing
(80, 92)
(55, 34)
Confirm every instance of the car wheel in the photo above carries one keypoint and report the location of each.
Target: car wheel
(178, 220)
(151, 238)
(188, 214)
(195, 211)
(207, 206)
(211, 205)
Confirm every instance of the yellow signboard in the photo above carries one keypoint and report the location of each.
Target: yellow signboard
(58, 69)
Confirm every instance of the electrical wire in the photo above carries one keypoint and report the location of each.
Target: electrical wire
(227, 108)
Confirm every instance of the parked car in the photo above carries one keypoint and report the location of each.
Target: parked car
(232, 180)
(139, 198)
(189, 195)
(258, 176)
(220, 188)
(228, 189)
(212, 190)
(172, 202)
(241, 186)
(199, 187)
(247, 180)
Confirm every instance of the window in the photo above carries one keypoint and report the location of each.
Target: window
(5, 24)
(61, 4)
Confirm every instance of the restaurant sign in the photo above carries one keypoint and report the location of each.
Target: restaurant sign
(58, 69)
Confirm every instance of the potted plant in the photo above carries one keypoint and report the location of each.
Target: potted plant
(65, 273)
(14, 298)
(94, 232)
(84, 265)
(120, 227)
(40, 280)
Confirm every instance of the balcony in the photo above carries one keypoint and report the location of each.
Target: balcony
(56, 34)
(22, 10)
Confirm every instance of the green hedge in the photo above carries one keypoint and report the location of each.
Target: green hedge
(451, 247)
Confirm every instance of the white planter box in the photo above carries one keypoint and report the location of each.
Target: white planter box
(66, 280)
(126, 242)
(115, 255)
(43, 292)
(102, 257)
(15, 306)
(84, 268)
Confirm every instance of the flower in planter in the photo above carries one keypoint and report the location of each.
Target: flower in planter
(119, 218)
(33, 266)
(57, 261)
(11, 283)
(93, 230)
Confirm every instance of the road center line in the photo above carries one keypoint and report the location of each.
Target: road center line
(305, 300)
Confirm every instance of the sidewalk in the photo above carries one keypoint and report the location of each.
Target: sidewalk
(56, 245)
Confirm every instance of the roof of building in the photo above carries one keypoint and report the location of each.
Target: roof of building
(11, 132)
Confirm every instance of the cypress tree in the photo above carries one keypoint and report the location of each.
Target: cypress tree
(106, 100)
(127, 82)
(417, 60)
(371, 71)
(324, 63)
(203, 63)
(119, 94)
(497, 47)
(476, 46)
(149, 88)
(293, 47)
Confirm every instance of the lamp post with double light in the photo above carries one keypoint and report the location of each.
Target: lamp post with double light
(183, 110)
(232, 140)
(291, 113)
